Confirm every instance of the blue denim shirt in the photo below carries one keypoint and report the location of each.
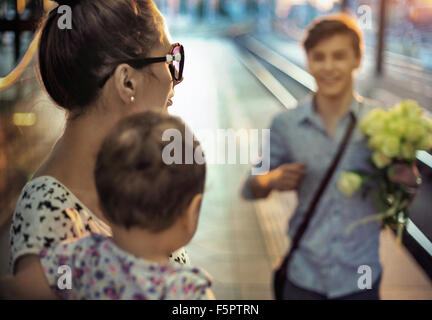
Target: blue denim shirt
(328, 258)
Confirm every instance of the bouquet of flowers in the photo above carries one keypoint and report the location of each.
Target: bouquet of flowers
(394, 136)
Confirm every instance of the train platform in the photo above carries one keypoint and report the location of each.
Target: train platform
(238, 242)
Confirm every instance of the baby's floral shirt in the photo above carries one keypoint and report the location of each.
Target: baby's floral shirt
(101, 270)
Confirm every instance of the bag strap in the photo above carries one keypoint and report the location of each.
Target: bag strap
(311, 210)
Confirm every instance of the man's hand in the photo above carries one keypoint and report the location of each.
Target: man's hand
(287, 176)
(408, 176)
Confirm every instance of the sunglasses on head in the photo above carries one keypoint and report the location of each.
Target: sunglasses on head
(175, 59)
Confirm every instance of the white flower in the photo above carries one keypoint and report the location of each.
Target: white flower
(349, 183)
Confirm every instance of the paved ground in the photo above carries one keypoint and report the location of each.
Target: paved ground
(219, 93)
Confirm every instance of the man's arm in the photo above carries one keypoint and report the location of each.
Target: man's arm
(29, 282)
(286, 177)
(284, 173)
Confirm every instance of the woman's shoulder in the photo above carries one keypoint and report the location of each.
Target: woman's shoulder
(42, 203)
(45, 196)
(43, 193)
(45, 203)
(46, 214)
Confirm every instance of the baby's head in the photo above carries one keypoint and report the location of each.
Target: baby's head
(138, 189)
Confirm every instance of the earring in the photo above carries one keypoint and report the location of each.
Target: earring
(132, 99)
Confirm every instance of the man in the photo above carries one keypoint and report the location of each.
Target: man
(303, 143)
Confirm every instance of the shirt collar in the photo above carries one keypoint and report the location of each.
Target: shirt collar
(307, 110)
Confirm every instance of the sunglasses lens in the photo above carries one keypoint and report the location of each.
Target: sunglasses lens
(177, 64)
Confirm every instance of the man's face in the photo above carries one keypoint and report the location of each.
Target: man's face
(332, 62)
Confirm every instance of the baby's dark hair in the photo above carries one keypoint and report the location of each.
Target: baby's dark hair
(136, 187)
(74, 62)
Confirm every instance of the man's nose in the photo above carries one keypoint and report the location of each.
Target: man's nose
(328, 64)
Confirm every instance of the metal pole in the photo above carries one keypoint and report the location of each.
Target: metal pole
(17, 32)
(344, 6)
(381, 38)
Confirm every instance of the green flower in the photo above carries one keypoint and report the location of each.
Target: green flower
(380, 160)
(390, 146)
(407, 151)
(396, 126)
(397, 112)
(349, 183)
(374, 122)
(375, 142)
(427, 124)
(425, 143)
(409, 108)
(414, 131)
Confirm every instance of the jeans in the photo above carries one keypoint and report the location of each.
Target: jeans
(293, 292)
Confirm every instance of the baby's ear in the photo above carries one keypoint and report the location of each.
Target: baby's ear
(196, 203)
(192, 212)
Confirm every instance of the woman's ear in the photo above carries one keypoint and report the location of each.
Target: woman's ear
(125, 82)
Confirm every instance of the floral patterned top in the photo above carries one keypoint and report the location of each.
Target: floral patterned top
(48, 213)
(101, 270)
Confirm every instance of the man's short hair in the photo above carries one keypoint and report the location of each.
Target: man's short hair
(330, 25)
(135, 186)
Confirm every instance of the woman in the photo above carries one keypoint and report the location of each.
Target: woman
(115, 61)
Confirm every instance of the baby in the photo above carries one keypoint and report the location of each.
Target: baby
(153, 209)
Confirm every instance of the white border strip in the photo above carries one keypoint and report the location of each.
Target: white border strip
(425, 157)
(415, 232)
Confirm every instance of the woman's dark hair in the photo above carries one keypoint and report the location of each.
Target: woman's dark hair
(137, 186)
(72, 62)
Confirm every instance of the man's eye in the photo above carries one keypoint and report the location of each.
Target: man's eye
(318, 57)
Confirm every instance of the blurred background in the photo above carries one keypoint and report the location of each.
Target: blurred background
(244, 63)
